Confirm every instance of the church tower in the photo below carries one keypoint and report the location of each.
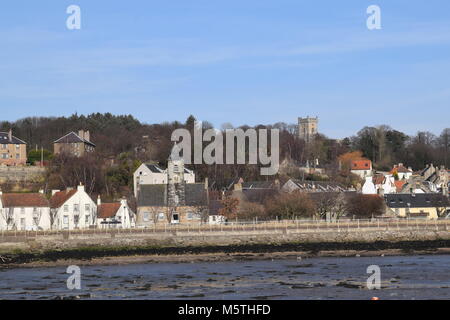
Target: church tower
(175, 179)
(307, 128)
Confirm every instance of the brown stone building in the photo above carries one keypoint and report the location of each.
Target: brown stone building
(77, 145)
(13, 151)
(158, 205)
(174, 202)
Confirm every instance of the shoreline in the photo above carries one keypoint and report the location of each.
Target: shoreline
(217, 257)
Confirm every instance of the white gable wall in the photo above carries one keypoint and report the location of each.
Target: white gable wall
(80, 206)
(25, 218)
(125, 215)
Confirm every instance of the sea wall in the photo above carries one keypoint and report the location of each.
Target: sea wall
(66, 240)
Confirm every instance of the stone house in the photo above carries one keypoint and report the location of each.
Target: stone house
(430, 179)
(161, 203)
(76, 145)
(115, 215)
(72, 209)
(175, 201)
(24, 211)
(13, 151)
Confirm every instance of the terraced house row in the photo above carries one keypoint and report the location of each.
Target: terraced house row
(70, 209)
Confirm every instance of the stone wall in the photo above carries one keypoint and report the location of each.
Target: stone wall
(66, 240)
(20, 174)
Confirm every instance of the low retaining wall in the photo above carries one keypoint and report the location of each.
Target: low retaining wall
(20, 174)
(65, 240)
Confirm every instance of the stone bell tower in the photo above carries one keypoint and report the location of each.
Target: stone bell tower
(175, 179)
(307, 128)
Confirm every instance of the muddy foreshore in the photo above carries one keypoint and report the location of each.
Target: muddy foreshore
(96, 255)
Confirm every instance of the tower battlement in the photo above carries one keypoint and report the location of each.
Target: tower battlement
(307, 128)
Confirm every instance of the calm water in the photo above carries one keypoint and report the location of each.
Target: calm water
(413, 277)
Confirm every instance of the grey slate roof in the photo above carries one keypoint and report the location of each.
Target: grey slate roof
(259, 195)
(4, 139)
(195, 194)
(318, 186)
(258, 185)
(155, 195)
(152, 195)
(72, 137)
(418, 200)
(154, 168)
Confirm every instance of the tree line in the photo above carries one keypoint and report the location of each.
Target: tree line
(123, 143)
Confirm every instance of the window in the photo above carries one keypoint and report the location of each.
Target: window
(146, 216)
(161, 216)
(87, 207)
(22, 223)
(76, 207)
(4, 146)
(17, 156)
(17, 146)
(190, 215)
(66, 220)
(22, 210)
(5, 156)
(66, 208)
(75, 219)
(86, 219)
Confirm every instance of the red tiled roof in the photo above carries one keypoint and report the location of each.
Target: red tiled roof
(59, 198)
(399, 185)
(108, 210)
(400, 169)
(362, 164)
(378, 179)
(14, 200)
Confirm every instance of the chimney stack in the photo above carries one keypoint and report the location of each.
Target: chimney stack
(80, 187)
(81, 133)
(10, 135)
(87, 136)
(99, 200)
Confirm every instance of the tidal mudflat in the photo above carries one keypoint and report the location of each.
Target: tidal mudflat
(403, 277)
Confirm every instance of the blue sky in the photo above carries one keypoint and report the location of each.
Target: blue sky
(243, 62)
